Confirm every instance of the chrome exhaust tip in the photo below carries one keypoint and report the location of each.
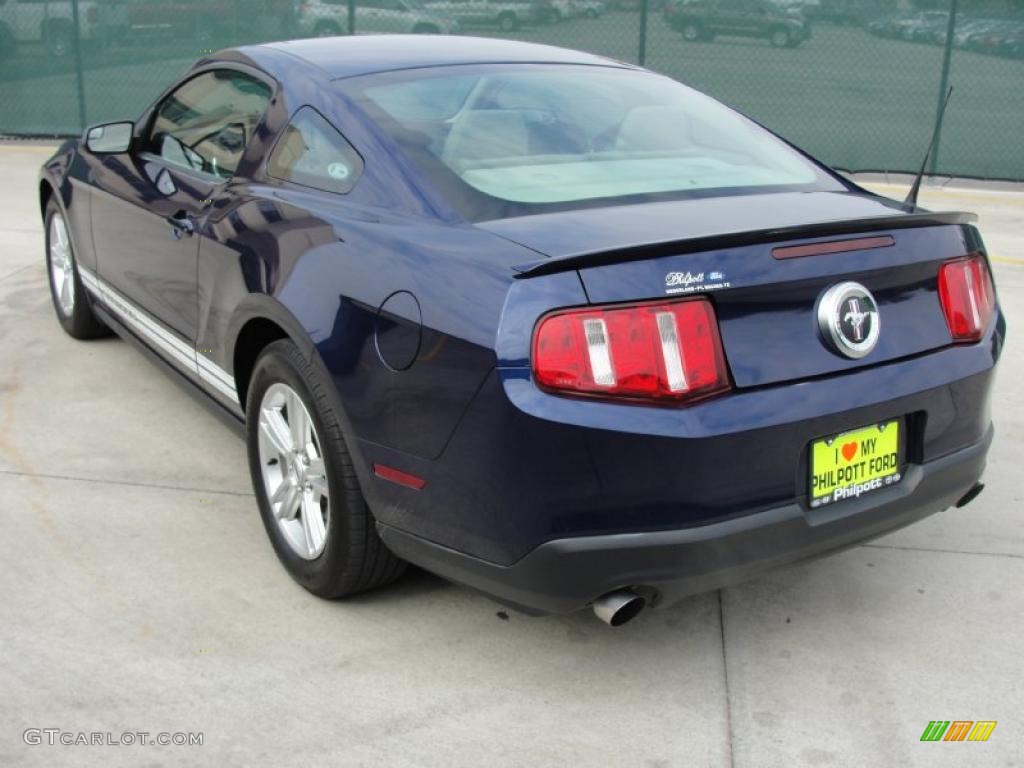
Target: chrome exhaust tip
(618, 607)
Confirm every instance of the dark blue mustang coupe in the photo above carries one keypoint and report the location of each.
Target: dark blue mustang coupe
(543, 323)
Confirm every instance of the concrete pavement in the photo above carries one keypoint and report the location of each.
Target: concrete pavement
(139, 593)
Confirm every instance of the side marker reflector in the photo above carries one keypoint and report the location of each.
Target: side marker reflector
(398, 476)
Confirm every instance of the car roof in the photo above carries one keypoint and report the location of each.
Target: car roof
(369, 54)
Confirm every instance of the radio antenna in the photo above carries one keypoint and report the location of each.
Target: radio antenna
(911, 202)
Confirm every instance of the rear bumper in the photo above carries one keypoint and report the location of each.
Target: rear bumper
(568, 573)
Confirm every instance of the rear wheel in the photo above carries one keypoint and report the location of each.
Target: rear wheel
(69, 300)
(327, 29)
(780, 38)
(59, 40)
(507, 22)
(305, 483)
(425, 29)
(692, 32)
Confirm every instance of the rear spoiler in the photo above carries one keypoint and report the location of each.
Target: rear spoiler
(741, 238)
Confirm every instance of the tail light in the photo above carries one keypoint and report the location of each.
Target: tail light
(967, 296)
(669, 351)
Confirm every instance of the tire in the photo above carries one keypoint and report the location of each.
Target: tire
(70, 302)
(780, 38)
(351, 557)
(59, 40)
(426, 29)
(327, 29)
(692, 33)
(507, 22)
(590, 13)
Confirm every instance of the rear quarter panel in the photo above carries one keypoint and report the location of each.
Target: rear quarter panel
(330, 272)
(322, 264)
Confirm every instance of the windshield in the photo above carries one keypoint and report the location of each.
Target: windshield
(508, 140)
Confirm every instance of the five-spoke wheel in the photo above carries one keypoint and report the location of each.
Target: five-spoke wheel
(62, 270)
(294, 475)
(70, 303)
(305, 480)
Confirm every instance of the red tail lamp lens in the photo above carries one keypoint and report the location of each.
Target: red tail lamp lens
(967, 296)
(667, 351)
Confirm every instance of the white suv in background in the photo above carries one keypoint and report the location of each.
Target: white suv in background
(324, 18)
(47, 21)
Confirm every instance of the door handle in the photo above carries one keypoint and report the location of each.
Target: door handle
(181, 224)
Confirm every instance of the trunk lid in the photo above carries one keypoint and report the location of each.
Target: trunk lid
(726, 248)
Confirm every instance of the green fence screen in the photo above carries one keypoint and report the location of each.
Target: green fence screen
(855, 82)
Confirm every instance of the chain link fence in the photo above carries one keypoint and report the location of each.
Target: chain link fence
(855, 82)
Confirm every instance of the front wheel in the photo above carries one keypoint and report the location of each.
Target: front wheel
(508, 22)
(59, 41)
(306, 487)
(780, 38)
(69, 300)
(692, 33)
(327, 29)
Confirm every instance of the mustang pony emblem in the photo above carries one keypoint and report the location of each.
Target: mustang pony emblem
(856, 318)
(848, 319)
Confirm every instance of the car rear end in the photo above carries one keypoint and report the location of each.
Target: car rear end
(673, 421)
(716, 356)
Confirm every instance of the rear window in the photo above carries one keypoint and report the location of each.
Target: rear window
(507, 140)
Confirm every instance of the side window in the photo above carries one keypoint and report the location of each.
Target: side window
(206, 124)
(312, 152)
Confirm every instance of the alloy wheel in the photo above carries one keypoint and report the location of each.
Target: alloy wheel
(62, 269)
(293, 471)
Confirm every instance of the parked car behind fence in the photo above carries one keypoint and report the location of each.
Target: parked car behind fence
(706, 19)
(48, 22)
(325, 18)
(506, 15)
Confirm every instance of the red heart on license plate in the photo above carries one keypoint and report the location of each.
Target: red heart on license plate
(849, 450)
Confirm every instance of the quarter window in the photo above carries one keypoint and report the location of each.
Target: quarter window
(206, 124)
(312, 152)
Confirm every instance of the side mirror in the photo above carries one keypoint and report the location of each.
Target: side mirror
(110, 138)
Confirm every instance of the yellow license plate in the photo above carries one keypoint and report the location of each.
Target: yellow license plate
(854, 463)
